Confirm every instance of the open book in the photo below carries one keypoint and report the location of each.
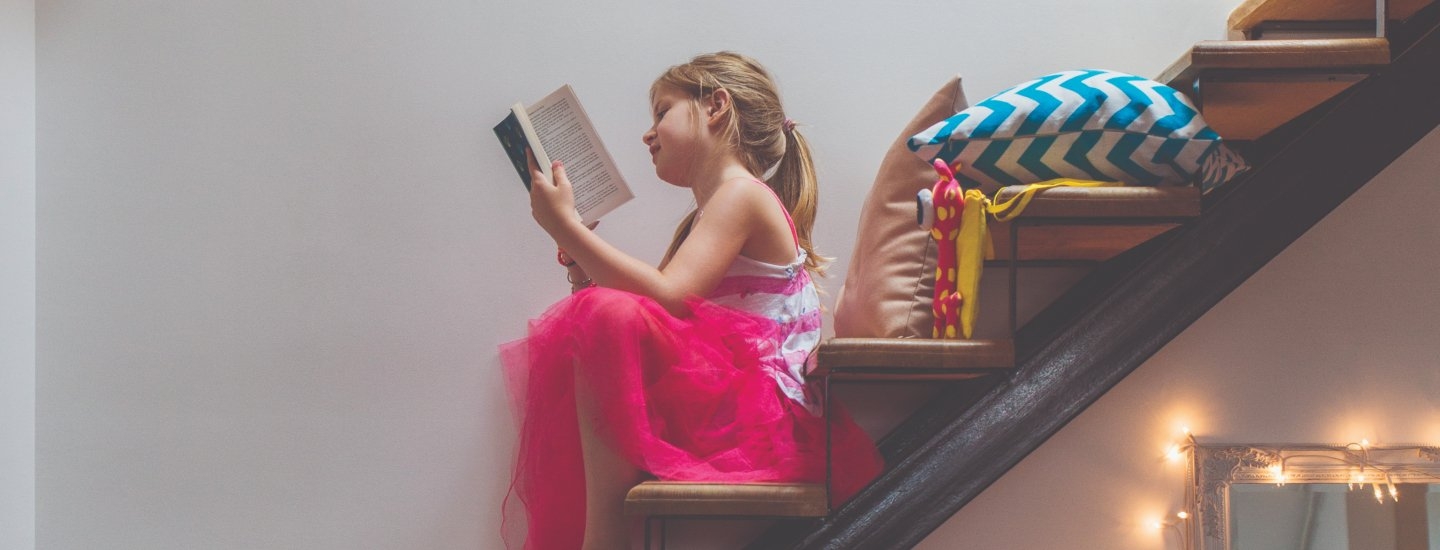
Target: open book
(556, 128)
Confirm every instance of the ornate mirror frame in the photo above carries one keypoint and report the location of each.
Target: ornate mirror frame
(1215, 468)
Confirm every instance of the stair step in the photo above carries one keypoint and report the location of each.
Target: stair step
(1092, 224)
(1109, 202)
(1059, 245)
(1248, 88)
(683, 498)
(912, 359)
(1254, 13)
(1307, 54)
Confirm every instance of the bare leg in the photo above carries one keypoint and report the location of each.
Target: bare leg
(608, 477)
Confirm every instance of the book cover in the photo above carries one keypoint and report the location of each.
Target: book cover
(517, 147)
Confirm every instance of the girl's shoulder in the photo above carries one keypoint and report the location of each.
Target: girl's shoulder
(753, 194)
(740, 199)
(744, 187)
(751, 208)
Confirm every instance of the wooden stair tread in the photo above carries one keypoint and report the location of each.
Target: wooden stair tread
(1315, 54)
(1247, 110)
(912, 358)
(1109, 202)
(683, 498)
(1252, 13)
(1257, 85)
(1073, 243)
(1139, 213)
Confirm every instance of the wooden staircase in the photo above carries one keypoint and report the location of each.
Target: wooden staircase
(1327, 109)
(1132, 305)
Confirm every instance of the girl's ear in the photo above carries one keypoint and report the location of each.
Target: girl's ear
(717, 106)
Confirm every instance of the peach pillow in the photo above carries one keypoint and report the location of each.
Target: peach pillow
(891, 281)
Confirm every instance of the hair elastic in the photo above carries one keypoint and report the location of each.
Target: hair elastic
(788, 125)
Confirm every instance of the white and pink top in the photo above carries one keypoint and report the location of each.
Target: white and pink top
(786, 295)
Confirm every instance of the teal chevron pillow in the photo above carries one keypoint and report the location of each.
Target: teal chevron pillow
(1092, 125)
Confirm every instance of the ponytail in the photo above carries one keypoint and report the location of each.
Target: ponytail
(795, 182)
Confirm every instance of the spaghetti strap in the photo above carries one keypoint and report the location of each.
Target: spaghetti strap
(794, 236)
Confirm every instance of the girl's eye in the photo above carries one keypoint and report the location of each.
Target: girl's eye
(661, 114)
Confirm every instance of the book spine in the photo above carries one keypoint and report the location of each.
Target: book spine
(541, 158)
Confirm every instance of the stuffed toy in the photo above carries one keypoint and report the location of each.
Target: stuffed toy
(955, 218)
(939, 210)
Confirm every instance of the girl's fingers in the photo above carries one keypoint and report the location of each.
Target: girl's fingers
(537, 175)
(532, 163)
(551, 199)
(558, 168)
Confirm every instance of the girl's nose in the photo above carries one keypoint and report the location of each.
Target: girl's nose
(648, 137)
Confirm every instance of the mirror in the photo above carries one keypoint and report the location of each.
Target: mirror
(1313, 497)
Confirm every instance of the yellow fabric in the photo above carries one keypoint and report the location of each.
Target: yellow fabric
(971, 250)
(1012, 207)
(974, 245)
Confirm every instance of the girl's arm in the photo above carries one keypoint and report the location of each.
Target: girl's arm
(697, 267)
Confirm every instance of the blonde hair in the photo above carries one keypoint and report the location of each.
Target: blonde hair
(760, 134)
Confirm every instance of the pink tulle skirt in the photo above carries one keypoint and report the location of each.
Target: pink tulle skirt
(684, 398)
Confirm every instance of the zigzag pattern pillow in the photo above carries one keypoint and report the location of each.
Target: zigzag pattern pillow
(1092, 125)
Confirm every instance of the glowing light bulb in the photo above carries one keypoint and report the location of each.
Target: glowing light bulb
(1278, 470)
(1158, 525)
(1364, 442)
(1379, 496)
(1182, 514)
(1174, 453)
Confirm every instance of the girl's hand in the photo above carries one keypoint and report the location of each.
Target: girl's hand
(552, 203)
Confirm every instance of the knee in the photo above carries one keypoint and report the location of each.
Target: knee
(607, 307)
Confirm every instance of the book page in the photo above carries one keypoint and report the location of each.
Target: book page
(566, 134)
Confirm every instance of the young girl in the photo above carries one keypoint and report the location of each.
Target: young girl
(695, 370)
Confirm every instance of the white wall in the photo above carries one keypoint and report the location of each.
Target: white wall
(1331, 342)
(278, 246)
(17, 274)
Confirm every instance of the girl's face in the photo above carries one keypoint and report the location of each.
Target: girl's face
(677, 138)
